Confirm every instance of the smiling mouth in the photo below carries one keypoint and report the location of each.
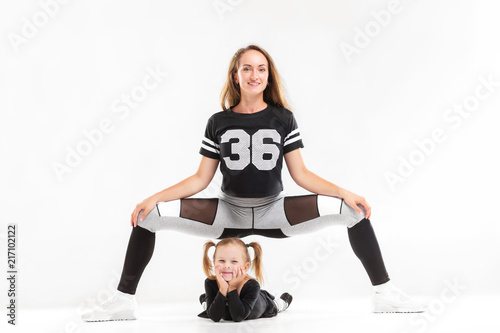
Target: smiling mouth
(253, 84)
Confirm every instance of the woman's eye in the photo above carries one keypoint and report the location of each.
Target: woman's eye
(262, 69)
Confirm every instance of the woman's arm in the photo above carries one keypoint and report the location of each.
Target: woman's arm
(186, 188)
(315, 184)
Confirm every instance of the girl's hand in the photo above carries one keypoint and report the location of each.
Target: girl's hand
(354, 200)
(223, 286)
(146, 206)
(239, 277)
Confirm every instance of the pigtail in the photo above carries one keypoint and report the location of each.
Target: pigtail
(257, 261)
(207, 263)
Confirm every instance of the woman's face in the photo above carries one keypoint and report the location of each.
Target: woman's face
(252, 73)
(229, 257)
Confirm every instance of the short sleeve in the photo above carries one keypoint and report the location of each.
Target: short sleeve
(293, 140)
(209, 145)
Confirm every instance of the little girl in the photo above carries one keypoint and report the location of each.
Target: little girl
(230, 293)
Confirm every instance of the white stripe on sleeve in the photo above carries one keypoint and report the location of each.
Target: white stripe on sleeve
(291, 134)
(204, 146)
(297, 138)
(210, 142)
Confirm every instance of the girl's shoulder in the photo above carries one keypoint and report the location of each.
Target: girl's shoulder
(211, 283)
(252, 283)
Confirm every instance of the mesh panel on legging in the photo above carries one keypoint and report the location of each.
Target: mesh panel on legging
(201, 210)
(139, 251)
(365, 246)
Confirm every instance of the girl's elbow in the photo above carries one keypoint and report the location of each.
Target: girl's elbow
(238, 317)
(214, 318)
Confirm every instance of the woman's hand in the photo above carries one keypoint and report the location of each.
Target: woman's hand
(238, 279)
(223, 286)
(147, 205)
(354, 200)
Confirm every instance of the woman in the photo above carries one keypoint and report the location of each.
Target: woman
(250, 138)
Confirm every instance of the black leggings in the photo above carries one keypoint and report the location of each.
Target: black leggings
(361, 237)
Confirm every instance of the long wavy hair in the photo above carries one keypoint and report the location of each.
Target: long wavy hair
(274, 93)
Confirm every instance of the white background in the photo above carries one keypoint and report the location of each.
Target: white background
(359, 117)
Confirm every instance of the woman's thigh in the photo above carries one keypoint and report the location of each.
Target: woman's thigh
(295, 215)
(197, 216)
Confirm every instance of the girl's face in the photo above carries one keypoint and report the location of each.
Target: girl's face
(252, 73)
(229, 257)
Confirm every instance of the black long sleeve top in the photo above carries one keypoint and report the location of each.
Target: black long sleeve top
(251, 303)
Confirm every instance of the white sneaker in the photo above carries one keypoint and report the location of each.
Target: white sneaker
(394, 300)
(117, 307)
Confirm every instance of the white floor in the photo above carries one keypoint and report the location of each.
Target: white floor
(478, 313)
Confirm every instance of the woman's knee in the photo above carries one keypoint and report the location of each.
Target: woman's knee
(355, 217)
(150, 221)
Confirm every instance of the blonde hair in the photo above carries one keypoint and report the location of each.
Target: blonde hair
(256, 264)
(274, 93)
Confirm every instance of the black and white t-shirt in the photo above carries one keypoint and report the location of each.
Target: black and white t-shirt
(250, 147)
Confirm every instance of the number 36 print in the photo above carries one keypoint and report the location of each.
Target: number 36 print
(252, 149)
